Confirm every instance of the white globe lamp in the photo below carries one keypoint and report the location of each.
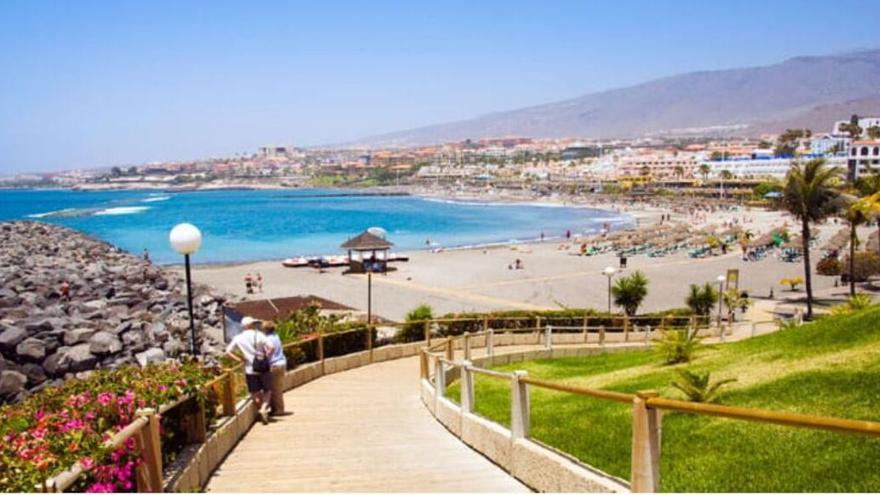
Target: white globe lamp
(186, 239)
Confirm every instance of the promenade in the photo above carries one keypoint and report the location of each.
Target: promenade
(361, 430)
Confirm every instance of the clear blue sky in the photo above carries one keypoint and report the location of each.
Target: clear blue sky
(89, 83)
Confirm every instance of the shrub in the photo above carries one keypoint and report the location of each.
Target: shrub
(678, 346)
(701, 300)
(414, 332)
(855, 303)
(697, 386)
(792, 282)
(865, 265)
(568, 320)
(830, 267)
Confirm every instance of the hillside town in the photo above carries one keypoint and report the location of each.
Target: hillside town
(720, 166)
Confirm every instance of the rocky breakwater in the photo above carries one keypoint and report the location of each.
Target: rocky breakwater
(70, 304)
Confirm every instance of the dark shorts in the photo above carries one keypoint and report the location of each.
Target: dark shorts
(260, 382)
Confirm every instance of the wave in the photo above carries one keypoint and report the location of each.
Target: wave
(122, 210)
(154, 199)
(56, 213)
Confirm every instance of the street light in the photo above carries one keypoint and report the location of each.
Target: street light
(609, 272)
(186, 239)
(721, 279)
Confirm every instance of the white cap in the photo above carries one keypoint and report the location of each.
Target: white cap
(247, 321)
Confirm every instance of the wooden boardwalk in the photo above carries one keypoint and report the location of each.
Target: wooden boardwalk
(362, 430)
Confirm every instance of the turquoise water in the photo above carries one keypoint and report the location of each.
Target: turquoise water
(241, 226)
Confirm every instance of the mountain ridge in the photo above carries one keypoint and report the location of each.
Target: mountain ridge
(754, 97)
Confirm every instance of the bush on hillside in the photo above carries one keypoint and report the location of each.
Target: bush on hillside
(678, 346)
(697, 387)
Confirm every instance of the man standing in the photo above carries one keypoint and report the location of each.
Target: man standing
(247, 347)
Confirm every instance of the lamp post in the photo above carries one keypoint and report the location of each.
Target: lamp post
(721, 279)
(609, 272)
(186, 239)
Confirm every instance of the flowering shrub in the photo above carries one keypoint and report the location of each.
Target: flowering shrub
(50, 431)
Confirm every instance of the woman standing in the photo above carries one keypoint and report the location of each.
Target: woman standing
(278, 367)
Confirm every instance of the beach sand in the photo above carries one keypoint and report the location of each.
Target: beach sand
(479, 279)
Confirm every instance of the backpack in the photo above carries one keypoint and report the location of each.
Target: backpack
(261, 361)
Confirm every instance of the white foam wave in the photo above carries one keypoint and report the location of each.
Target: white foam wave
(52, 213)
(123, 210)
(154, 199)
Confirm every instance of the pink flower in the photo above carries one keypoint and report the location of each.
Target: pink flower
(101, 488)
(39, 415)
(163, 388)
(105, 398)
(87, 463)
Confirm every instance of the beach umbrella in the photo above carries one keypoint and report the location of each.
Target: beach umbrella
(378, 232)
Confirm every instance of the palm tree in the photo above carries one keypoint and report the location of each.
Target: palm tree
(629, 292)
(726, 174)
(704, 171)
(701, 300)
(809, 195)
(678, 171)
(859, 211)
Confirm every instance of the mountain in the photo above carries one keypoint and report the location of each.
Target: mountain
(748, 100)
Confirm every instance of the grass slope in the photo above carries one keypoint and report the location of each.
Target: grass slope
(830, 367)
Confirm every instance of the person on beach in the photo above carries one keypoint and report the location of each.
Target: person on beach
(260, 282)
(248, 284)
(278, 367)
(248, 347)
(147, 256)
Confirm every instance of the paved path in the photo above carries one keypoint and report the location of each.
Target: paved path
(362, 430)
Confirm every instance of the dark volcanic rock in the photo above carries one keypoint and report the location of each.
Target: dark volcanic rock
(31, 349)
(10, 337)
(70, 303)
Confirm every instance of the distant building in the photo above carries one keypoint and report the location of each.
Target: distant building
(276, 151)
(864, 157)
(864, 122)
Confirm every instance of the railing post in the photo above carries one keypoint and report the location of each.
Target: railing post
(519, 406)
(645, 465)
(423, 363)
(721, 332)
(439, 382)
(754, 329)
(602, 335)
(648, 335)
(321, 351)
(450, 352)
(586, 329)
(537, 323)
(228, 394)
(370, 340)
(548, 337)
(197, 426)
(467, 387)
(625, 328)
(467, 346)
(490, 342)
(485, 323)
(428, 333)
(149, 471)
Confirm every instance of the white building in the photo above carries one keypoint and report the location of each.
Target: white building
(864, 158)
(762, 167)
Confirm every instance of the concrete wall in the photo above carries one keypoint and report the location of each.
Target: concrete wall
(537, 466)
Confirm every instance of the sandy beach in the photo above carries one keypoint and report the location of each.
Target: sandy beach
(551, 278)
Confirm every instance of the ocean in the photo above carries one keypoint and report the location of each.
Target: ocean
(250, 225)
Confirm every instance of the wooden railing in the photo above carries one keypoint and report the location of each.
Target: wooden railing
(646, 407)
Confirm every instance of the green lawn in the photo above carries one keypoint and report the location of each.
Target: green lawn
(831, 367)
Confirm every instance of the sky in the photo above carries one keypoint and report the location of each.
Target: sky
(99, 83)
